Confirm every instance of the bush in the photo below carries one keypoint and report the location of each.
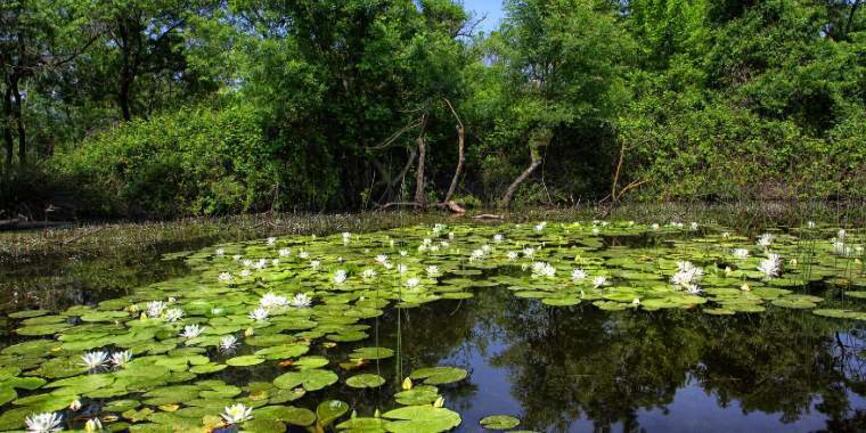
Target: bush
(193, 161)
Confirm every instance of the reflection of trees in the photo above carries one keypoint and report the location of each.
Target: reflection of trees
(570, 363)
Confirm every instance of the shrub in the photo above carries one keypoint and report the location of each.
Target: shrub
(193, 161)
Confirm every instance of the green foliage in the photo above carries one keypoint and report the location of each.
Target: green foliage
(707, 99)
(192, 161)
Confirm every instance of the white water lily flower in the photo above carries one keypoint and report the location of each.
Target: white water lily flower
(655, 226)
(246, 273)
(412, 283)
(120, 359)
(236, 257)
(340, 277)
(301, 300)
(191, 331)
(95, 360)
(225, 277)
(635, 301)
(771, 266)
(740, 253)
(173, 314)
(599, 281)
(275, 262)
(381, 259)
(220, 252)
(284, 252)
(542, 269)
(346, 237)
(765, 240)
(259, 314)
(687, 276)
(439, 228)
(247, 262)
(476, 255)
(228, 343)
(810, 224)
(540, 226)
(315, 264)
(403, 253)
(237, 414)
(450, 236)
(75, 405)
(529, 252)
(596, 230)
(693, 226)
(260, 264)
(272, 240)
(498, 238)
(402, 269)
(512, 255)
(368, 274)
(303, 255)
(155, 308)
(841, 235)
(433, 271)
(271, 300)
(841, 249)
(48, 422)
(578, 274)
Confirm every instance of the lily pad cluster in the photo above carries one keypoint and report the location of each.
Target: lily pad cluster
(153, 360)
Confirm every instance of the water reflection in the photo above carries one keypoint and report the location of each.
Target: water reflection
(582, 369)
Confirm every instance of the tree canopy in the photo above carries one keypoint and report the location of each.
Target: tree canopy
(359, 104)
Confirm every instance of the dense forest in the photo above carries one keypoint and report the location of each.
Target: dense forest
(163, 108)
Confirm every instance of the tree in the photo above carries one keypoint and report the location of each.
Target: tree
(561, 61)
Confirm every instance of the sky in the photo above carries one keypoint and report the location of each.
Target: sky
(491, 8)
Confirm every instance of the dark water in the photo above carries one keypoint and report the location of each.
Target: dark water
(575, 369)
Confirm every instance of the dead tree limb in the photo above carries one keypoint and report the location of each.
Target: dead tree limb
(539, 139)
(461, 153)
(613, 186)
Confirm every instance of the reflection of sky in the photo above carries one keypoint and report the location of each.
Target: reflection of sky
(492, 9)
(691, 410)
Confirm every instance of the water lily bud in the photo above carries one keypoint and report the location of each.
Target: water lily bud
(354, 414)
(249, 332)
(143, 316)
(745, 287)
(377, 414)
(93, 425)
(407, 384)
(439, 402)
(635, 301)
(75, 405)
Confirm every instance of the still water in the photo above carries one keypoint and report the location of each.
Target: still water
(561, 369)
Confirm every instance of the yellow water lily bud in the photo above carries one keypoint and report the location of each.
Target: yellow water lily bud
(439, 402)
(407, 384)
(75, 405)
(249, 332)
(143, 316)
(745, 287)
(728, 270)
(376, 413)
(93, 425)
(354, 414)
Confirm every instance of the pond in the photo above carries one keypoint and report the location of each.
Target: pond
(586, 326)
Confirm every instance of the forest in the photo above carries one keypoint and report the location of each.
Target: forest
(170, 108)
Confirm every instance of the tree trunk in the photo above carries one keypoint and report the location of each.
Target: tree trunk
(538, 140)
(19, 120)
(461, 154)
(419, 171)
(7, 126)
(461, 159)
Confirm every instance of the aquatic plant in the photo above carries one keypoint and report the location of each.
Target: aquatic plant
(48, 422)
(237, 414)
